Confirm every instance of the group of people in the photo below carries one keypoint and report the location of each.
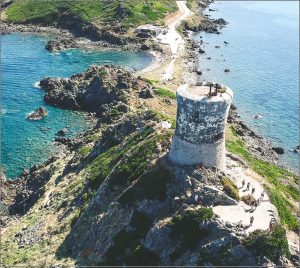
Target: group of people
(248, 186)
(254, 204)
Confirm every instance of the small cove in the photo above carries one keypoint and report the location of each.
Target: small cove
(24, 61)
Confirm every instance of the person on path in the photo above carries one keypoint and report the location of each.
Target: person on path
(248, 186)
(251, 220)
(253, 190)
(243, 183)
(262, 195)
(200, 200)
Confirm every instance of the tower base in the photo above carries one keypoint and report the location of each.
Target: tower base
(206, 154)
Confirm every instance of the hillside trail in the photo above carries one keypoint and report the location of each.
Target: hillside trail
(263, 214)
(172, 38)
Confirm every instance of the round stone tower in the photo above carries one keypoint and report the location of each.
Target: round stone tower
(202, 111)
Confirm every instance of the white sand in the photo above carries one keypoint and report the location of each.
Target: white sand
(263, 214)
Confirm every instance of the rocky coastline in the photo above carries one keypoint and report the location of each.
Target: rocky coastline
(64, 39)
(118, 99)
(77, 92)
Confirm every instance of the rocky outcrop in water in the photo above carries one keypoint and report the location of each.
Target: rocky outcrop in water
(207, 25)
(96, 90)
(38, 114)
(60, 44)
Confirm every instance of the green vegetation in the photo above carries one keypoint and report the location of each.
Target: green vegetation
(127, 247)
(138, 148)
(85, 150)
(142, 256)
(137, 162)
(101, 12)
(101, 166)
(282, 183)
(151, 81)
(273, 244)
(154, 115)
(152, 185)
(186, 226)
(230, 188)
(165, 93)
(93, 137)
(284, 208)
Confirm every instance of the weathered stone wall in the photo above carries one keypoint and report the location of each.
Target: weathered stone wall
(199, 134)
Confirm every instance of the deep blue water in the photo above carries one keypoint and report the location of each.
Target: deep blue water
(25, 61)
(263, 58)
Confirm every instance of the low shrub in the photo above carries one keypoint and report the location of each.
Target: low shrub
(142, 256)
(152, 185)
(85, 150)
(248, 199)
(127, 247)
(186, 226)
(165, 93)
(272, 245)
(230, 188)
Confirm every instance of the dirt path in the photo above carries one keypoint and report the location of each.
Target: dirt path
(263, 214)
(172, 38)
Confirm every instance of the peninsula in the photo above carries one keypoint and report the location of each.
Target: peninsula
(163, 178)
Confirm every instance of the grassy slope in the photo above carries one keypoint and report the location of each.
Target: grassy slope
(99, 11)
(69, 198)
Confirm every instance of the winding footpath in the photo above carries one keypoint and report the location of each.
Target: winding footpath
(241, 213)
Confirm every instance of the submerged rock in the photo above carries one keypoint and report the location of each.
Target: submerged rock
(201, 51)
(62, 132)
(38, 114)
(297, 149)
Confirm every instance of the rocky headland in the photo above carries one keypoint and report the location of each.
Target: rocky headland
(112, 197)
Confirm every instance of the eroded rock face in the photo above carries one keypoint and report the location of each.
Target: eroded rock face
(91, 90)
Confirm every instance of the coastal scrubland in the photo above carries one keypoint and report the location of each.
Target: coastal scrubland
(112, 197)
(101, 12)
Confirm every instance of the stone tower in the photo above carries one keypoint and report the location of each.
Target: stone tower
(202, 111)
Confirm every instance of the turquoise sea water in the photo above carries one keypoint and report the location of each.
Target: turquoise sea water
(263, 58)
(24, 61)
